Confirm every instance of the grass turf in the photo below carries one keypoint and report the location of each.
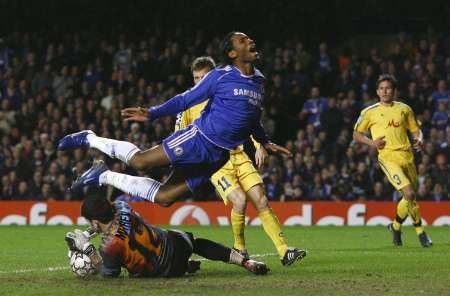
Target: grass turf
(341, 261)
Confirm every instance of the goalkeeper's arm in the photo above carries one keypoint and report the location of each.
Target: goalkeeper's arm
(79, 241)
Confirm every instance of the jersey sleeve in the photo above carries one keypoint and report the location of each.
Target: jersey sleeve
(182, 120)
(259, 134)
(199, 93)
(255, 143)
(362, 124)
(411, 122)
(111, 252)
(178, 121)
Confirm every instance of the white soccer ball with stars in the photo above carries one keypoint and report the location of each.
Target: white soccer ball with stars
(81, 265)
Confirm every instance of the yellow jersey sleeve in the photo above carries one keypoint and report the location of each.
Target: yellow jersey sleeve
(362, 125)
(411, 122)
(188, 116)
(257, 144)
(182, 120)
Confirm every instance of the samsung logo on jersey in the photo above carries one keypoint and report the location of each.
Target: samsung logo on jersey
(248, 93)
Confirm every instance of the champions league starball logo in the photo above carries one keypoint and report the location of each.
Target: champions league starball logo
(178, 151)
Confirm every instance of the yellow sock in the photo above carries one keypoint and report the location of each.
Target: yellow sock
(238, 226)
(414, 213)
(272, 227)
(402, 213)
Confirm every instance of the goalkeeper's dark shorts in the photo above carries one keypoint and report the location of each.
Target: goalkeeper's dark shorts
(182, 251)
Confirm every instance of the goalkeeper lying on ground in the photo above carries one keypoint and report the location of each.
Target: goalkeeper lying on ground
(143, 249)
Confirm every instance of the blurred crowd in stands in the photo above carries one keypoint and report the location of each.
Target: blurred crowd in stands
(50, 87)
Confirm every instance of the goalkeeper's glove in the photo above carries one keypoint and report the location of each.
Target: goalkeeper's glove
(76, 240)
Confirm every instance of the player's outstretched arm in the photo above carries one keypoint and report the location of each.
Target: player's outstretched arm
(135, 114)
(201, 92)
(277, 149)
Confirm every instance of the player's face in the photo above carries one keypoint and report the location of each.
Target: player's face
(95, 225)
(385, 92)
(244, 48)
(199, 74)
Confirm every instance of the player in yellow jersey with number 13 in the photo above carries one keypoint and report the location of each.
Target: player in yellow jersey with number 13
(389, 122)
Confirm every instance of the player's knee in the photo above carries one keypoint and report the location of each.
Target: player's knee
(409, 195)
(163, 200)
(239, 203)
(165, 203)
(261, 203)
(138, 162)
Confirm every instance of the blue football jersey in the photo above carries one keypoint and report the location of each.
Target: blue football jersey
(233, 112)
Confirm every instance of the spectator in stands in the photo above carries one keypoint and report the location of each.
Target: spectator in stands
(313, 108)
(441, 94)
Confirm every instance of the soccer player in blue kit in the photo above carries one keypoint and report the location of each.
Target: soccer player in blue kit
(233, 113)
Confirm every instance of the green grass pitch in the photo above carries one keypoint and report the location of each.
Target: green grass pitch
(341, 261)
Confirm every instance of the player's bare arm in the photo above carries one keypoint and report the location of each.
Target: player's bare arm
(261, 157)
(277, 149)
(135, 114)
(418, 140)
(378, 143)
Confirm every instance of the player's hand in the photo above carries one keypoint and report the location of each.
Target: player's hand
(81, 239)
(379, 143)
(277, 148)
(135, 114)
(70, 240)
(261, 157)
(418, 145)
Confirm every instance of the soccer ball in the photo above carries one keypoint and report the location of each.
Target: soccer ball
(81, 265)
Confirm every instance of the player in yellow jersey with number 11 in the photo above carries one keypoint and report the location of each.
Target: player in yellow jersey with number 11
(389, 122)
(238, 179)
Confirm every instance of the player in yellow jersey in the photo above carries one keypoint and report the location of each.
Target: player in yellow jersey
(238, 180)
(389, 122)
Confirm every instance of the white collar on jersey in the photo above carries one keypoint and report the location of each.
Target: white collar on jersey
(256, 73)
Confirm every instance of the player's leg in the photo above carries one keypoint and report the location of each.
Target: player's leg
(217, 252)
(226, 184)
(143, 187)
(191, 169)
(272, 227)
(269, 220)
(174, 187)
(238, 199)
(413, 209)
(252, 184)
(399, 180)
(125, 151)
(182, 251)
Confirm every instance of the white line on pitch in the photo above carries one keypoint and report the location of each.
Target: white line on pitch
(48, 269)
(58, 268)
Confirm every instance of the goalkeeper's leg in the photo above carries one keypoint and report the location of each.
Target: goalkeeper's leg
(217, 252)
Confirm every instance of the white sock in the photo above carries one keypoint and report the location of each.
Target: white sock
(113, 148)
(236, 258)
(145, 188)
